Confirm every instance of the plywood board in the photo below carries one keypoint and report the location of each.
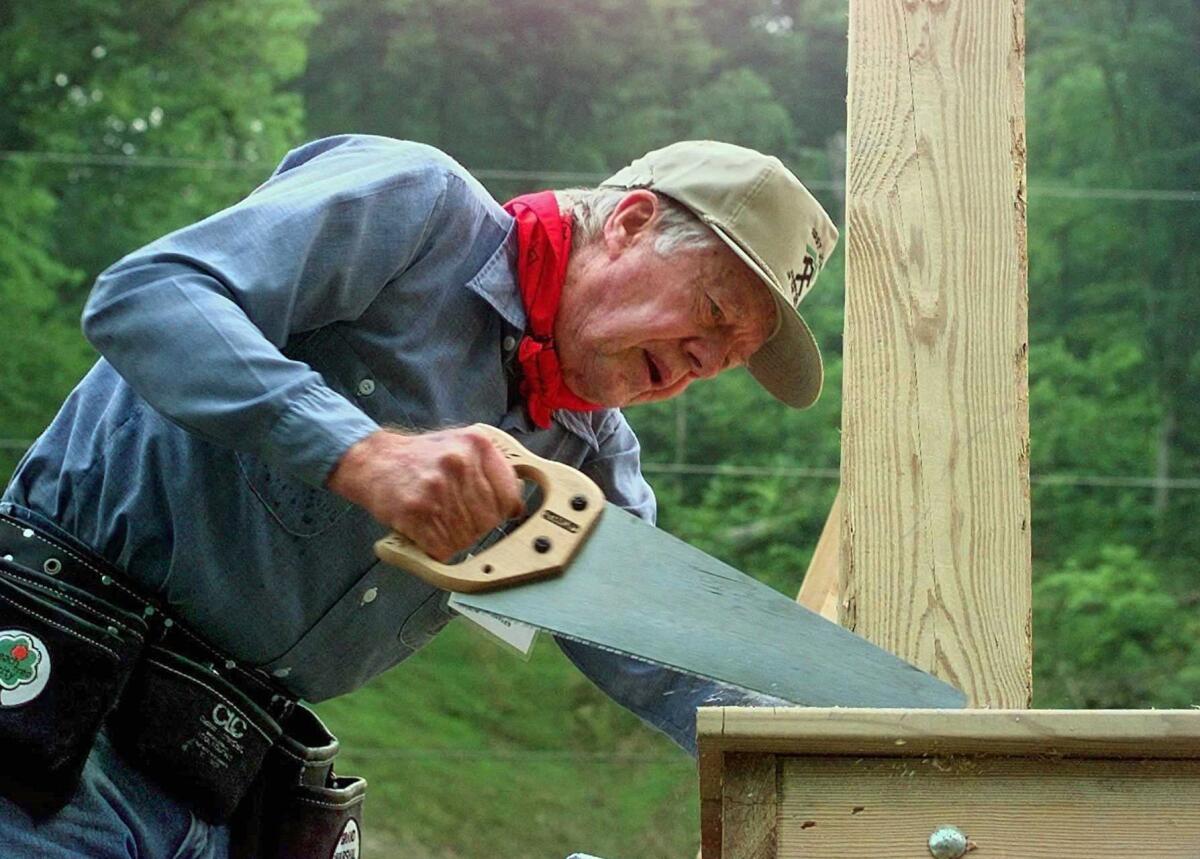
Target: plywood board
(1010, 808)
(1023, 784)
(935, 552)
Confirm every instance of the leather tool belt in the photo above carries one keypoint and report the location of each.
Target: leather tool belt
(81, 649)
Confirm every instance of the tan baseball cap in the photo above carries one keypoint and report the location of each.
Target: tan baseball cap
(760, 209)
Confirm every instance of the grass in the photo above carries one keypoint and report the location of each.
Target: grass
(471, 753)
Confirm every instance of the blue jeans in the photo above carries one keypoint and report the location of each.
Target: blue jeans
(117, 813)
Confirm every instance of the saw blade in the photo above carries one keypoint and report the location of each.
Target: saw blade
(637, 591)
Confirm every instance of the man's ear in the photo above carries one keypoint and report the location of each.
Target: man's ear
(631, 221)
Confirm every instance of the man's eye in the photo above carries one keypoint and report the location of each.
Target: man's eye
(715, 310)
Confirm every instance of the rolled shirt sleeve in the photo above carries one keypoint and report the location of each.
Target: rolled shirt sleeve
(664, 699)
(195, 322)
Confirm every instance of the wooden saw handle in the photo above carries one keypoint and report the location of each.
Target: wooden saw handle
(543, 545)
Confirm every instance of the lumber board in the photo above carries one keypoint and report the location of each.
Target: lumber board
(1136, 734)
(935, 548)
(749, 807)
(1009, 808)
(819, 590)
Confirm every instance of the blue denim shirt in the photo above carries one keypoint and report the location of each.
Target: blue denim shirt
(368, 282)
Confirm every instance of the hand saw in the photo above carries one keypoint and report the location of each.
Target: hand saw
(585, 569)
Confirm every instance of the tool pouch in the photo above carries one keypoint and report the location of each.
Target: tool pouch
(192, 731)
(300, 808)
(65, 656)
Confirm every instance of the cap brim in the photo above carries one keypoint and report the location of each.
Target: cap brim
(789, 364)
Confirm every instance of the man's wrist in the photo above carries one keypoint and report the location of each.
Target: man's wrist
(344, 478)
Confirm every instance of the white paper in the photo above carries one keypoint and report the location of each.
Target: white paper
(517, 635)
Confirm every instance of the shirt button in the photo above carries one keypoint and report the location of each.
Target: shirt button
(509, 343)
(369, 595)
(366, 387)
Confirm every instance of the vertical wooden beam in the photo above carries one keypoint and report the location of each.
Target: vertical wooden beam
(935, 552)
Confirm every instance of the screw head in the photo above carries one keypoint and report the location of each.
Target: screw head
(948, 842)
(541, 545)
(578, 502)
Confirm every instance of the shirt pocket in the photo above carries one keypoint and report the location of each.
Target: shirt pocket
(380, 621)
(298, 508)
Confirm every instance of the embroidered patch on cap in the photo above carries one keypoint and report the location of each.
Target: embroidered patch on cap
(800, 282)
(348, 842)
(24, 667)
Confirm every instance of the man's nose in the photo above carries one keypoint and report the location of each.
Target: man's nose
(705, 357)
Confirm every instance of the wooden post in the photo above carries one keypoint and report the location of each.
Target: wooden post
(935, 551)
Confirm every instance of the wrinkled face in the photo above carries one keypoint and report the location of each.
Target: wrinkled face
(636, 327)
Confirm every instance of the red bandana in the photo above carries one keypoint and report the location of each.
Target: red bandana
(543, 245)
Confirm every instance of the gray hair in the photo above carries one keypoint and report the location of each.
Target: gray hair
(677, 229)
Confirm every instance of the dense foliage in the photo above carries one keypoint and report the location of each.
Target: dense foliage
(122, 120)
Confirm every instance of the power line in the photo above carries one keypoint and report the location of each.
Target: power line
(689, 469)
(1050, 479)
(83, 159)
(543, 755)
(739, 470)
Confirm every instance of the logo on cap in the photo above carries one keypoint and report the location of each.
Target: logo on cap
(800, 282)
(24, 667)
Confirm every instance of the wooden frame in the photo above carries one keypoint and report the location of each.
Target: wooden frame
(1021, 784)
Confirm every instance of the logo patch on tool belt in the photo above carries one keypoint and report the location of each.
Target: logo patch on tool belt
(347, 844)
(24, 667)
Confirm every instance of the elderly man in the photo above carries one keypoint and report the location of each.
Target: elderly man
(187, 548)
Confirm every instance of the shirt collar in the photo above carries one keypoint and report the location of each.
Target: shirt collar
(496, 283)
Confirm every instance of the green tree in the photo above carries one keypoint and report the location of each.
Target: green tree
(42, 354)
(583, 86)
(1109, 636)
(93, 89)
(1114, 102)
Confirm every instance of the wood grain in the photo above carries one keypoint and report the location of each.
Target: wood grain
(749, 807)
(935, 552)
(1010, 808)
(819, 590)
(1138, 734)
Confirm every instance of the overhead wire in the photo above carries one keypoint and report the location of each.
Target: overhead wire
(88, 159)
(1049, 479)
(832, 474)
(523, 755)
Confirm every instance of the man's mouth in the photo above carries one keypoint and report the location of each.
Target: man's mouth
(655, 373)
